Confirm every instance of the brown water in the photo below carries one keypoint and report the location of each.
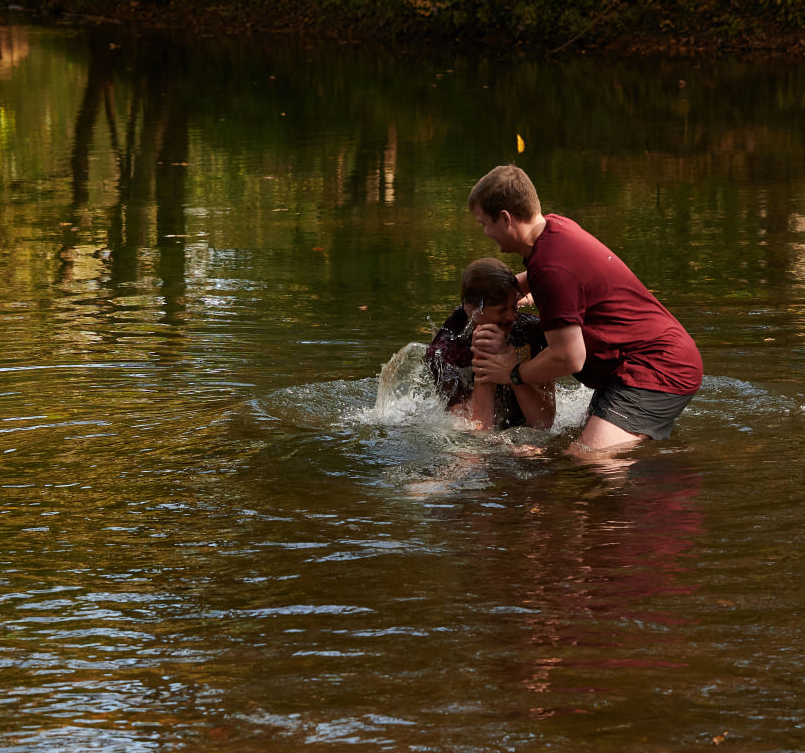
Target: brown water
(222, 530)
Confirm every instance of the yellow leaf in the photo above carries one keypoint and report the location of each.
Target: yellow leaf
(520, 144)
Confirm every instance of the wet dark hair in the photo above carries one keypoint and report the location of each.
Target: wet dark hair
(489, 282)
(506, 187)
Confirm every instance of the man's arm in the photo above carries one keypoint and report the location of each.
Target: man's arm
(564, 355)
(537, 400)
(479, 407)
(527, 299)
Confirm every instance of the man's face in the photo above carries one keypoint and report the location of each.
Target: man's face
(496, 230)
(502, 314)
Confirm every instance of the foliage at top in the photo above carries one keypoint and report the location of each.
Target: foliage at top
(675, 26)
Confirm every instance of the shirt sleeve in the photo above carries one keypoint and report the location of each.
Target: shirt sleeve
(451, 367)
(559, 297)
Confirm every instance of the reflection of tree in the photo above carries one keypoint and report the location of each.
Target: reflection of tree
(13, 47)
(98, 88)
(151, 158)
(372, 177)
(360, 147)
(169, 194)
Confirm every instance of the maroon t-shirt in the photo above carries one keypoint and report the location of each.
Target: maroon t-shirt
(576, 280)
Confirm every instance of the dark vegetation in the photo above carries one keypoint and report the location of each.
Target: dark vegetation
(678, 27)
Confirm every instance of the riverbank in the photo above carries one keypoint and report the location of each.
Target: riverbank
(614, 30)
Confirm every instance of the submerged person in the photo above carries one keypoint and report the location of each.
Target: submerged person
(602, 324)
(489, 296)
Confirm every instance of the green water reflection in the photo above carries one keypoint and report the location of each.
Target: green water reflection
(212, 541)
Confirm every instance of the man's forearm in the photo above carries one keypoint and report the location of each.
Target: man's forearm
(547, 365)
(565, 355)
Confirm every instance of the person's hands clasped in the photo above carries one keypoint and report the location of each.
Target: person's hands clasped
(493, 358)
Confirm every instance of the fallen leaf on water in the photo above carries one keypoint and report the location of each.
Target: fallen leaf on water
(718, 739)
(362, 308)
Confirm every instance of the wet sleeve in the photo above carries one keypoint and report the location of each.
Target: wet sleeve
(451, 367)
(535, 337)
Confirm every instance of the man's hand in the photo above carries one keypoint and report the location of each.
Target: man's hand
(489, 338)
(493, 358)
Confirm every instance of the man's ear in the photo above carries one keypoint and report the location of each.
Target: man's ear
(506, 216)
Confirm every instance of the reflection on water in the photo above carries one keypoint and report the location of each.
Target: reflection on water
(234, 514)
(261, 572)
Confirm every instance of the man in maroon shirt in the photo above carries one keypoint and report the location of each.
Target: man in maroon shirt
(602, 324)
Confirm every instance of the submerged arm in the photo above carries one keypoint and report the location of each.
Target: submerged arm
(479, 408)
(538, 403)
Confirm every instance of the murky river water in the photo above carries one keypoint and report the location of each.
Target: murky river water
(222, 530)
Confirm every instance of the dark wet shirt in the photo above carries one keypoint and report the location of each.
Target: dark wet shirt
(449, 357)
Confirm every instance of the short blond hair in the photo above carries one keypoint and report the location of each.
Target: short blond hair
(506, 187)
(488, 281)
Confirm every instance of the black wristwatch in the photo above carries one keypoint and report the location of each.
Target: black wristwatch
(515, 375)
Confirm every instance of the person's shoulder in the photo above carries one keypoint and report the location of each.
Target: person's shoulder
(454, 325)
(555, 223)
(528, 328)
(446, 339)
(526, 321)
(549, 243)
(457, 320)
(448, 349)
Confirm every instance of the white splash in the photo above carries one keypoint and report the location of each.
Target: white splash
(406, 393)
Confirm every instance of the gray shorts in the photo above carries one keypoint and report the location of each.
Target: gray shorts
(636, 410)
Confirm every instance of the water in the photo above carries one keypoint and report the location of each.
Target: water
(234, 517)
